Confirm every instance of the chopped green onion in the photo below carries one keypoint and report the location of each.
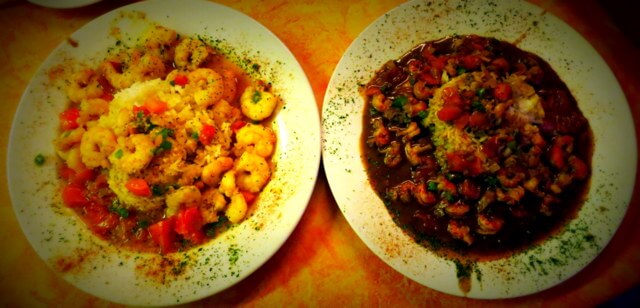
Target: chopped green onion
(117, 208)
(477, 106)
(257, 96)
(118, 153)
(164, 146)
(481, 92)
(399, 102)
(157, 190)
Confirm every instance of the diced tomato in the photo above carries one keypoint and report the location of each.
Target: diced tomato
(138, 187)
(235, 126)
(164, 235)
(469, 164)
(154, 105)
(138, 109)
(462, 121)
(500, 64)
(206, 134)
(429, 79)
(101, 181)
(69, 118)
(560, 150)
(181, 80)
(471, 62)
(474, 166)
(437, 62)
(502, 92)
(66, 172)
(451, 96)
(82, 177)
(456, 162)
(557, 157)
(491, 146)
(478, 119)
(99, 219)
(469, 190)
(74, 196)
(249, 197)
(449, 113)
(189, 224)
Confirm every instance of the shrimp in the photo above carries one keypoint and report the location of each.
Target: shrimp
(380, 102)
(84, 85)
(185, 196)
(213, 201)
(207, 86)
(191, 54)
(228, 183)
(511, 195)
(457, 209)
(409, 132)
(253, 172)
(133, 153)
(489, 225)
(487, 198)
(402, 192)
(460, 231)
(139, 67)
(69, 139)
(256, 138)
(257, 104)
(237, 209)
(91, 109)
(423, 195)
(96, 146)
(159, 39)
(510, 177)
(148, 67)
(212, 172)
(392, 154)
(74, 160)
(413, 152)
(380, 135)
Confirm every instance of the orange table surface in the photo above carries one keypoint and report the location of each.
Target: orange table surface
(323, 262)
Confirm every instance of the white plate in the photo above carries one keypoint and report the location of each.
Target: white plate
(64, 4)
(588, 77)
(65, 243)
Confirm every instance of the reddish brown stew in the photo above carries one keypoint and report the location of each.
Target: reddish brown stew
(475, 146)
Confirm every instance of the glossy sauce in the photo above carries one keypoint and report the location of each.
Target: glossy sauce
(524, 221)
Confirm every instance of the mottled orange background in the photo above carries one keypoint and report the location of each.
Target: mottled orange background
(324, 262)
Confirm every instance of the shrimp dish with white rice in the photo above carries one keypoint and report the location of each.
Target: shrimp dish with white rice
(165, 142)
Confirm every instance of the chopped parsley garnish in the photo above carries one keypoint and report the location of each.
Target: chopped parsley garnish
(399, 102)
(117, 208)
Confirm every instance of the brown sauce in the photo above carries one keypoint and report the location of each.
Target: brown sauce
(519, 182)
